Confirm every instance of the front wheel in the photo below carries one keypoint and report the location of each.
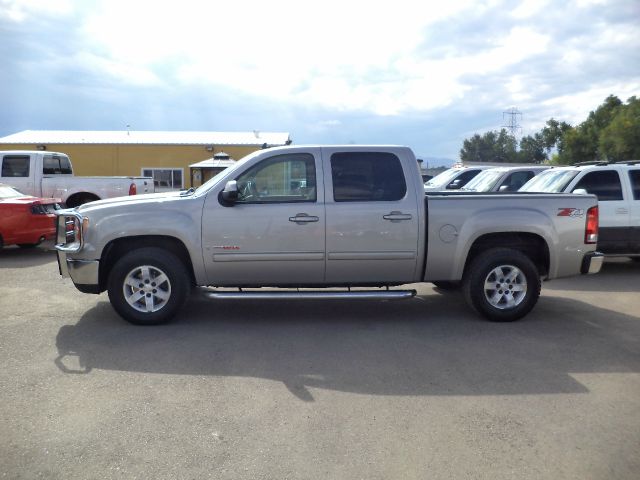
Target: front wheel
(502, 284)
(148, 286)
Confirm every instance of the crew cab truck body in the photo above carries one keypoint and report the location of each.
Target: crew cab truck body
(317, 217)
(50, 175)
(617, 186)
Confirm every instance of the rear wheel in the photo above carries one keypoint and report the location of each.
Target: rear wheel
(502, 284)
(148, 286)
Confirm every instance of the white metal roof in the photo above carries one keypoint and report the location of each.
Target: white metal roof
(52, 137)
(213, 163)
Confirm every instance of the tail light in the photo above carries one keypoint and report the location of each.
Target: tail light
(591, 230)
(133, 189)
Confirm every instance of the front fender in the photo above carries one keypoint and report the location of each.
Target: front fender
(178, 220)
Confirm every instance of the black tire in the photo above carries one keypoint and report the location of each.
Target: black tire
(635, 259)
(80, 199)
(28, 245)
(517, 284)
(448, 285)
(168, 295)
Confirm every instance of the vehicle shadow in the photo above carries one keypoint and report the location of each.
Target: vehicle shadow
(15, 257)
(423, 346)
(616, 275)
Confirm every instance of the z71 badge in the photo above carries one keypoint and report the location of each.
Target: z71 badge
(570, 212)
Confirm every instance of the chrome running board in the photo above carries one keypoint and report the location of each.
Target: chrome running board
(313, 294)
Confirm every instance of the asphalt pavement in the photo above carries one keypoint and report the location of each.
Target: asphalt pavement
(335, 389)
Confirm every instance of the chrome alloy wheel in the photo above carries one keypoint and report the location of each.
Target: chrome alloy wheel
(146, 289)
(505, 287)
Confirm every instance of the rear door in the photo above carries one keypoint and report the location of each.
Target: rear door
(372, 218)
(614, 232)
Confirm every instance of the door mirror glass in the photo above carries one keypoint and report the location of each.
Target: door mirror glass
(455, 185)
(230, 192)
(580, 191)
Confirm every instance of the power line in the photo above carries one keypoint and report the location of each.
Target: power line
(512, 125)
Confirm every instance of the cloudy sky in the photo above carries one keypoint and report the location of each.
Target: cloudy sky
(426, 74)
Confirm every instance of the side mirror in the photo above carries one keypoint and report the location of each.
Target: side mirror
(580, 191)
(230, 192)
(455, 185)
(504, 188)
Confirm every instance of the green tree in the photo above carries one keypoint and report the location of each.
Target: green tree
(532, 149)
(583, 143)
(552, 135)
(492, 146)
(620, 139)
(610, 132)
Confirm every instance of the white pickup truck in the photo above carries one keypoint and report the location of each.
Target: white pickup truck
(617, 186)
(312, 217)
(50, 174)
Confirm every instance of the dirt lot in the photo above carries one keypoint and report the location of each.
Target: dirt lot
(319, 389)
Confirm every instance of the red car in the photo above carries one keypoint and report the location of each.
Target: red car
(25, 220)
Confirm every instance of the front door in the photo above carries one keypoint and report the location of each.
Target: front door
(273, 235)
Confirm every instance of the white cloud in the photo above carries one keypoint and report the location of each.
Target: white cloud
(528, 8)
(21, 10)
(331, 54)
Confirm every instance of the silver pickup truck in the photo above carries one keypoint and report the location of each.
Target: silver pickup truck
(316, 222)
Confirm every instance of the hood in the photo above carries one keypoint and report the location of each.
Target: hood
(131, 199)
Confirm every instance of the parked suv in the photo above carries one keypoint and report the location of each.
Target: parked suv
(617, 186)
(503, 179)
(454, 178)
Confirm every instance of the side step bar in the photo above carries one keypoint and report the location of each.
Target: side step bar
(314, 294)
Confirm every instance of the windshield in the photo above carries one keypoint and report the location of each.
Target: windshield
(212, 181)
(8, 192)
(550, 181)
(443, 178)
(484, 181)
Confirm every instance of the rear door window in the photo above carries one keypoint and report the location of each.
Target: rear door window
(15, 166)
(605, 184)
(367, 177)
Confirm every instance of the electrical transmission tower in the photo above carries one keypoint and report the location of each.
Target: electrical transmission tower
(512, 121)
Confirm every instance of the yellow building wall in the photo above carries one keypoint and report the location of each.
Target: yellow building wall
(129, 160)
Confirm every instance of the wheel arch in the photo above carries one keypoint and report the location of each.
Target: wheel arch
(115, 249)
(78, 198)
(530, 244)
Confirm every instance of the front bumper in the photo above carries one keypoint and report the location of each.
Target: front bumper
(592, 263)
(83, 273)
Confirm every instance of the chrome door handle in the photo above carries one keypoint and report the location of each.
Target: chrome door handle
(397, 216)
(302, 218)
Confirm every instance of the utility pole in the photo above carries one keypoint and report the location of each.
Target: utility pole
(512, 121)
